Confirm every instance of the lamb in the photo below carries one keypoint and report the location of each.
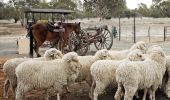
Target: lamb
(10, 66)
(145, 75)
(119, 55)
(104, 72)
(42, 75)
(87, 61)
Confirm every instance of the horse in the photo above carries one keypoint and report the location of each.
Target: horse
(41, 33)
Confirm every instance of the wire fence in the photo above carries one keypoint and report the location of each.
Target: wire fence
(150, 30)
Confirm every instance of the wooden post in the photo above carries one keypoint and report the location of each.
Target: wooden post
(119, 29)
(31, 42)
(53, 17)
(31, 36)
(134, 27)
(149, 34)
(164, 33)
(40, 16)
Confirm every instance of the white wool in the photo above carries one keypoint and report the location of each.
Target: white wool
(119, 55)
(87, 61)
(10, 66)
(141, 74)
(104, 71)
(41, 75)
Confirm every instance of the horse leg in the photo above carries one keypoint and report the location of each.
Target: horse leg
(36, 48)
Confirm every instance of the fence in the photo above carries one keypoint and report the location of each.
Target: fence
(146, 29)
(166, 32)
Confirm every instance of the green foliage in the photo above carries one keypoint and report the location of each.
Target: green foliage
(87, 8)
(144, 10)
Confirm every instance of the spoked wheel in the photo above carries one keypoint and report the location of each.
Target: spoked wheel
(105, 41)
(78, 42)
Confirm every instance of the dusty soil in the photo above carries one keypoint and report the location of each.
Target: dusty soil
(9, 33)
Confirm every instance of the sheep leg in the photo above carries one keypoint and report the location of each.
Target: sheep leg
(98, 89)
(119, 92)
(14, 85)
(150, 94)
(129, 92)
(137, 95)
(68, 91)
(92, 89)
(46, 96)
(153, 94)
(145, 93)
(58, 96)
(20, 92)
(6, 88)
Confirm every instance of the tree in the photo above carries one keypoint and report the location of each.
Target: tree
(144, 10)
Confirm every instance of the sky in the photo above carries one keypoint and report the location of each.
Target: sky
(131, 4)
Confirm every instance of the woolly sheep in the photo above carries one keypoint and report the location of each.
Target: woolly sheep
(42, 75)
(119, 55)
(10, 66)
(145, 75)
(104, 71)
(87, 61)
(166, 79)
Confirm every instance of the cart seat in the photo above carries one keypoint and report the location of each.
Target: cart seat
(53, 28)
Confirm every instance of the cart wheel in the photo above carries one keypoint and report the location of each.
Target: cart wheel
(106, 40)
(78, 43)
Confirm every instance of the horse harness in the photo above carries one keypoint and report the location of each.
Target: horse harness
(55, 29)
(59, 29)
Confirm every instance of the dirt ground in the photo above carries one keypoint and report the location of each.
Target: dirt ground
(9, 33)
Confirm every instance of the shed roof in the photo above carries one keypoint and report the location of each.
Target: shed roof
(59, 11)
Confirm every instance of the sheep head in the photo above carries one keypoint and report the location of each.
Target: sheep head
(141, 45)
(71, 58)
(53, 53)
(74, 66)
(157, 54)
(136, 55)
(102, 54)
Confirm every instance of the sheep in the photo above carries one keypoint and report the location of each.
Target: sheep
(166, 79)
(146, 75)
(119, 55)
(104, 72)
(10, 66)
(42, 75)
(87, 61)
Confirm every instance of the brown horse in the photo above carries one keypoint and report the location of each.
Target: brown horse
(41, 34)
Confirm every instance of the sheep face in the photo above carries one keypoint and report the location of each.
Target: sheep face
(141, 45)
(136, 55)
(53, 53)
(102, 54)
(75, 67)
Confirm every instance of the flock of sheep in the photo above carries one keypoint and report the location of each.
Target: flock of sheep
(138, 68)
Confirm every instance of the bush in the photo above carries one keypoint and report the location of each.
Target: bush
(108, 17)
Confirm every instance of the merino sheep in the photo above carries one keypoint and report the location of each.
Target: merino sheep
(119, 55)
(104, 71)
(10, 66)
(166, 80)
(42, 75)
(87, 61)
(145, 75)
